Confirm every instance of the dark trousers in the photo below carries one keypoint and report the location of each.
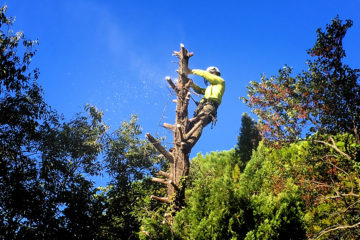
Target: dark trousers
(204, 113)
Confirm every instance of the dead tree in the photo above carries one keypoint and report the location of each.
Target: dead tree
(178, 157)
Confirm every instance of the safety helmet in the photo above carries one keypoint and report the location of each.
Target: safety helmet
(213, 70)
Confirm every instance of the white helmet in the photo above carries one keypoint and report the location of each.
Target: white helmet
(213, 70)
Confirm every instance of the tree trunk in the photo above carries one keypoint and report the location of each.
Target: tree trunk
(178, 158)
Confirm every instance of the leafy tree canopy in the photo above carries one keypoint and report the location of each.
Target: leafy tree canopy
(45, 162)
(326, 96)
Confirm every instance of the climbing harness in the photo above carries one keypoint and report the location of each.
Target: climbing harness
(212, 115)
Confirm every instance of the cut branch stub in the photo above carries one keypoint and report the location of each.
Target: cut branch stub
(161, 199)
(169, 126)
(160, 180)
(172, 84)
(160, 148)
(164, 174)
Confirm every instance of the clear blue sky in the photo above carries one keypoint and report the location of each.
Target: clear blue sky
(115, 54)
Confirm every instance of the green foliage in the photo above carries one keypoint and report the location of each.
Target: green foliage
(39, 188)
(323, 103)
(304, 186)
(215, 209)
(283, 193)
(45, 162)
(263, 202)
(275, 197)
(248, 140)
(336, 84)
(331, 190)
(130, 162)
(154, 224)
(305, 189)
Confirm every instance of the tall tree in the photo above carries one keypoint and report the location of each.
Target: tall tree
(248, 140)
(326, 97)
(323, 104)
(21, 109)
(43, 191)
(130, 162)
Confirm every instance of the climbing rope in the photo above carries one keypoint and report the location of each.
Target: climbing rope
(165, 107)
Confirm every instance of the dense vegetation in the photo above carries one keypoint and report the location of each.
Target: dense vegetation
(46, 163)
(301, 181)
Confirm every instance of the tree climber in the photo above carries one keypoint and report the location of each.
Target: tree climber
(206, 110)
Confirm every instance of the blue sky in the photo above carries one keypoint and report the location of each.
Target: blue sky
(115, 54)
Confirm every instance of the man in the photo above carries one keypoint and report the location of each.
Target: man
(206, 110)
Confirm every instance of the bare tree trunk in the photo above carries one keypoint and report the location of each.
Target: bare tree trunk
(178, 158)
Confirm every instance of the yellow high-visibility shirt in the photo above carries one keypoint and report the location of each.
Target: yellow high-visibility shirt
(215, 90)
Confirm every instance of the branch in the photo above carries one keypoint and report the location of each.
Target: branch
(169, 127)
(333, 145)
(184, 51)
(318, 183)
(166, 182)
(336, 228)
(160, 180)
(342, 170)
(171, 83)
(160, 199)
(164, 174)
(344, 211)
(351, 194)
(160, 148)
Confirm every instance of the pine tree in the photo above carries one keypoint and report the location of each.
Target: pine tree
(248, 140)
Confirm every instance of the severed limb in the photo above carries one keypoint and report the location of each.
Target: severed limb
(160, 180)
(160, 148)
(165, 182)
(172, 84)
(164, 174)
(169, 126)
(160, 199)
